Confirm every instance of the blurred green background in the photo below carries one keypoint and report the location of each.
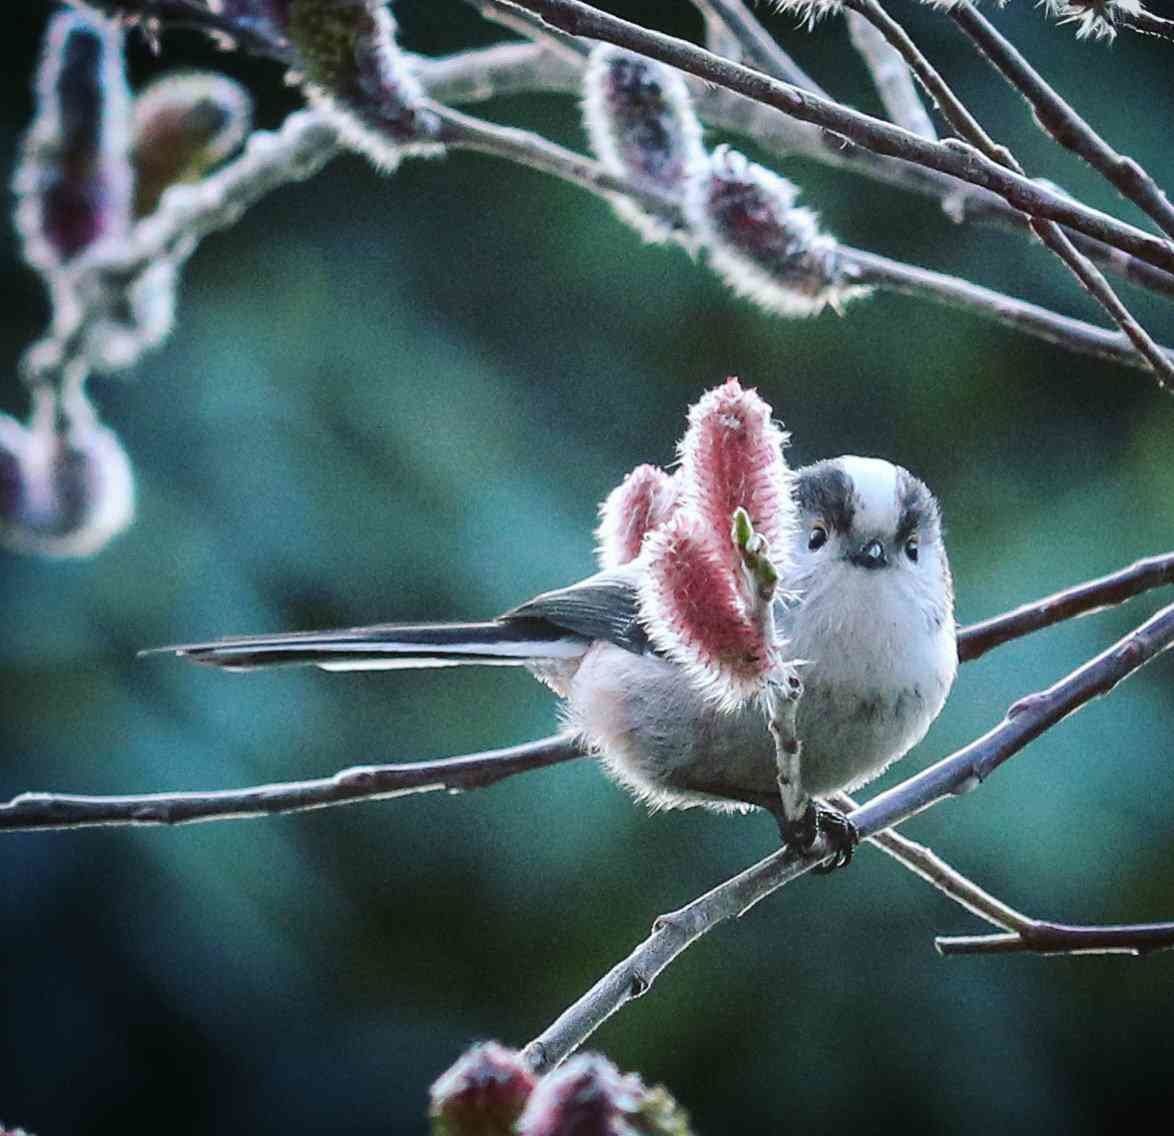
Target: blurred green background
(401, 397)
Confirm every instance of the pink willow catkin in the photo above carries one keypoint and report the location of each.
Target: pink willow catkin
(696, 600)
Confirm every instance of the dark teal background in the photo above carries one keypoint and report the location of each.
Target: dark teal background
(400, 397)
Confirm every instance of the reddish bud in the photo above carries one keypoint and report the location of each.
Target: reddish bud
(642, 125)
(763, 245)
(732, 458)
(483, 1094)
(74, 182)
(184, 125)
(589, 1096)
(354, 69)
(694, 606)
(644, 501)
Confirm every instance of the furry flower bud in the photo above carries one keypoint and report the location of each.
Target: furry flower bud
(75, 489)
(1093, 18)
(74, 181)
(732, 458)
(644, 501)
(642, 125)
(353, 67)
(696, 612)
(184, 125)
(588, 1096)
(483, 1094)
(763, 245)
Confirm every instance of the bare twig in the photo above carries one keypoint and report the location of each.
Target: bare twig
(1043, 938)
(1093, 595)
(516, 19)
(927, 864)
(958, 773)
(759, 48)
(1024, 933)
(958, 159)
(1075, 335)
(1147, 23)
(359, 783)
(890, 76)
(1062, 122)
(1090, 277)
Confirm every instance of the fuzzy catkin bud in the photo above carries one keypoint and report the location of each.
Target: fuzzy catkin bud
(75, 488)
(353, 68)
(588, 1096)
(1093, 18)
(763, 245)
(74, 181)
(692, 603)
(732, 458)
(184, 125)
(483, 1094)
(643, 502)
(641, 124)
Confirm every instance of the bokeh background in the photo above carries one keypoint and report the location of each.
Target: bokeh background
(401, 397)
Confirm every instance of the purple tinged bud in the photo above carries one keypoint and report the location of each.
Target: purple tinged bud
(642, 126)
(760, 242)
(74, 489)
(588, 1096)
(483, 1094)
(184, 125)
(74, 181)
(353, 68)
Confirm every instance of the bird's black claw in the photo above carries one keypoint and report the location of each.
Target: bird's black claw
(841, 835)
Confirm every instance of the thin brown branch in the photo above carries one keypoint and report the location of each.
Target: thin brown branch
(759, 48)
(890, 76)
(952, 157)
(929, 866)
(1092, 595)
(1059, 119)
(1089, 276)
(32, 811)
(1064, 331)
(1043, 938)
(1026, 720)
(1147, 23)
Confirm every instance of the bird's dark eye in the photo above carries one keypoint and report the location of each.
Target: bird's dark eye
(818, 538)
(911, 549)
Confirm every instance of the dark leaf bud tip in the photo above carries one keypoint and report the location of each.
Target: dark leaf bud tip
(483, 1094)
(642, 126)
(763, 245)
(184, 126)
(352, 67)
(74, 183)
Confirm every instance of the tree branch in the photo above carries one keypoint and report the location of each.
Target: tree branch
(33, 811)
(1049, 232)
(950, 157)
(1043, 938)
(958, 773)
(890, 76)
(759, 47)
(1058, 119)
(1147, 23)
(1082, 599)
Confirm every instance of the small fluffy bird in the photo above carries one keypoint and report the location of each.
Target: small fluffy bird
(718, 582)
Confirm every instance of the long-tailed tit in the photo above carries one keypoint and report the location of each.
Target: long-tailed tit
(663, 657)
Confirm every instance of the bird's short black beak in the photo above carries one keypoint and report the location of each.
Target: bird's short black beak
(870, 555)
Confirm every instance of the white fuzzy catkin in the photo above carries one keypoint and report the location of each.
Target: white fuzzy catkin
(642, 126)
(760, 242)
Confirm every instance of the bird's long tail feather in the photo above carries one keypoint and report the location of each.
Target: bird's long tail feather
(391, 646)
